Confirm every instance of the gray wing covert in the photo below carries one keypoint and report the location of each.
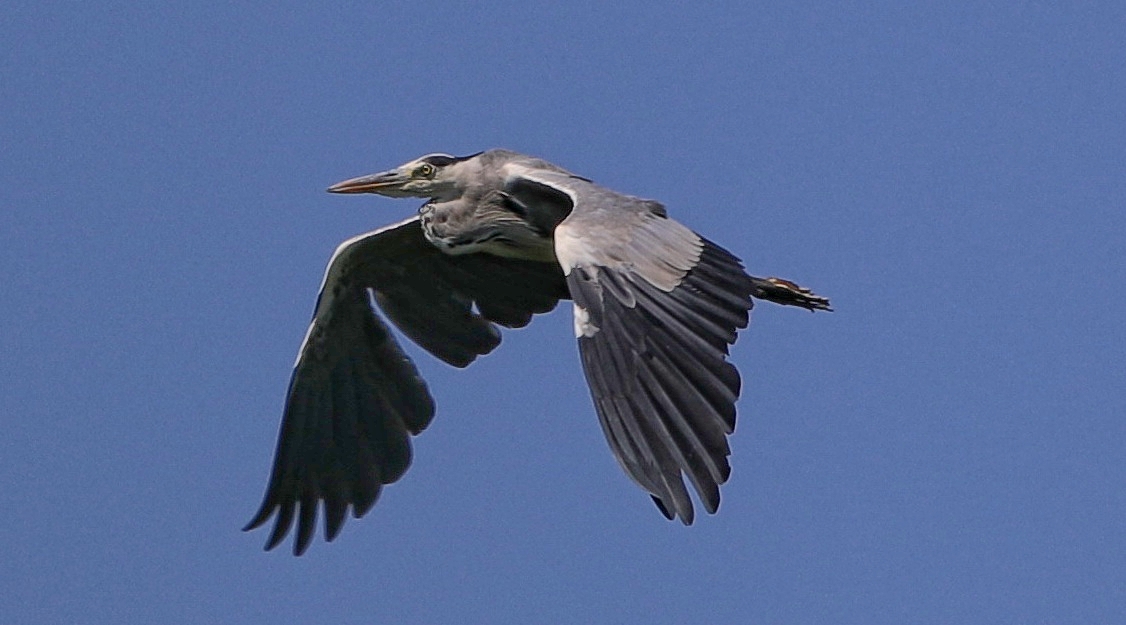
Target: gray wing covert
(656, 309)
(656, 363)
(355, 398)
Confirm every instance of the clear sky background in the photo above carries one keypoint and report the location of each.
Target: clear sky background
(947, 447)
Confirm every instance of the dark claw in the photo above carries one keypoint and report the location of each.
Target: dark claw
(787, 293)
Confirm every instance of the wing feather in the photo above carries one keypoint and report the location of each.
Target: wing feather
(657, 308)
(355, 398)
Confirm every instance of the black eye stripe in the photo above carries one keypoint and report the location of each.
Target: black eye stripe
(442, 160)
(439, 160)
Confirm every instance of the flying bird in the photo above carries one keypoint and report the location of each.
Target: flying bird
(502, 237)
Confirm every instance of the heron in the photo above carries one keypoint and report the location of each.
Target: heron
(502, 237)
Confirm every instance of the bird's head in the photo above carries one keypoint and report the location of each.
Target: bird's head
(436, 176)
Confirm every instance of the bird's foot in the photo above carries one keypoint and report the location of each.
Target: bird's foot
(787, 293)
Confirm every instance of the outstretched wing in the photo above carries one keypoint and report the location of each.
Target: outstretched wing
(355, 398)
(656, 309)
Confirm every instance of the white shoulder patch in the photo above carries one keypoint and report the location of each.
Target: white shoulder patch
(572, 250)
(583, 326)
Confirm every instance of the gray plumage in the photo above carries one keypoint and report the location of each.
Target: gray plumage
(502, 237)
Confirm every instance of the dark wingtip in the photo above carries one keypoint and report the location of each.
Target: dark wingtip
(306, 524)
(364, 499)
(300, 547)
(688, 518)
(281, 526)
(335, 513)
(275, 539)
(710, 499)
(333, 530)
(260, 517)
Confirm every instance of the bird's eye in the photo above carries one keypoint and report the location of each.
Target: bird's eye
(426, 170)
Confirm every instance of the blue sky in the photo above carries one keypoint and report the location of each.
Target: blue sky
(947, 447)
